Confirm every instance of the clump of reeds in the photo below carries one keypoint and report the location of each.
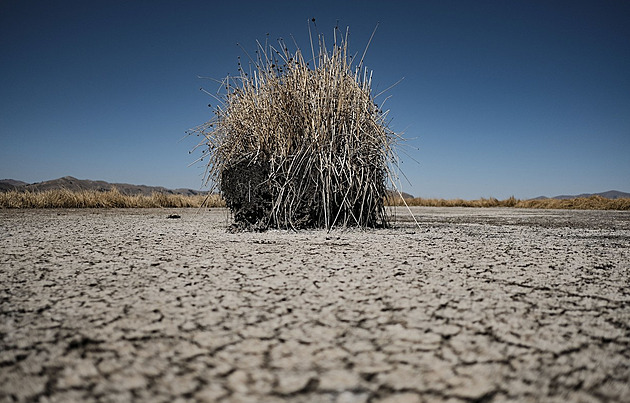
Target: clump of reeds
(63, 198)
(300, 144)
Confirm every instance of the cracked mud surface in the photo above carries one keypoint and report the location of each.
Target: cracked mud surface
(476, 305)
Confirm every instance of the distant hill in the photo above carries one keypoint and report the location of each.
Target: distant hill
(611, 194)
(10, 184)
(395, 193)
(74, 184)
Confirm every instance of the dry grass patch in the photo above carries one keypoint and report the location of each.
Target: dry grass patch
(110, 199)
(578, 203)
(115, 199)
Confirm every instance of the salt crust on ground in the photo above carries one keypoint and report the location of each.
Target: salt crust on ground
(474, 305)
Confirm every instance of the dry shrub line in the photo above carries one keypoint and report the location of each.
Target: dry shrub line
(64, 198)
(594, 202)
(298, 146)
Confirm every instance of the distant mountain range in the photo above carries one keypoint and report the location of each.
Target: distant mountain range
(74, 184)
(611, 194)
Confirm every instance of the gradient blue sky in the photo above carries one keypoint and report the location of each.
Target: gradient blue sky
(499, 98)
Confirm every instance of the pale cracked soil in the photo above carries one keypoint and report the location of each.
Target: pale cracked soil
(474, 305)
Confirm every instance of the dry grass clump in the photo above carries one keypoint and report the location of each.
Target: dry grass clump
(64, 198)
(297, 144)
(491, 202)
(579, 203)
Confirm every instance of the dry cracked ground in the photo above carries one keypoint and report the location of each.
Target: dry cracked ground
(471, 305)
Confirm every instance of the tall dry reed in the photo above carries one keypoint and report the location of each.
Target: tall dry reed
(314, 132)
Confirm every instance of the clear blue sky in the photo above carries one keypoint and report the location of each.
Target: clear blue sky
(499, 98)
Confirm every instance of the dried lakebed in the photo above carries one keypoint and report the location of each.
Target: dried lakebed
(473, 305)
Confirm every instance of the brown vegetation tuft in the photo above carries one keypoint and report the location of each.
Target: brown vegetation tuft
(63, 198)
(578, 203)
(298, 143)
